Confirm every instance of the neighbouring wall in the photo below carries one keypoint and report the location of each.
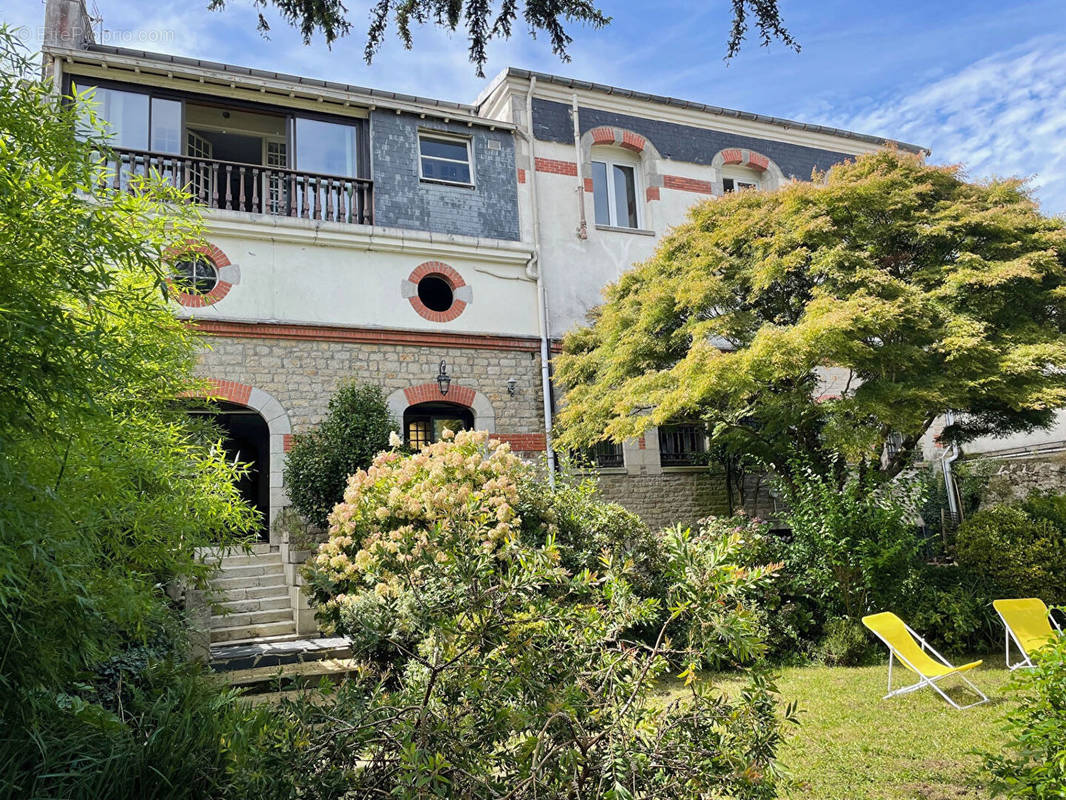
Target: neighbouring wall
(669, 497)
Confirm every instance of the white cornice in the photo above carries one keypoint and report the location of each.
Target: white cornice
(370, 238)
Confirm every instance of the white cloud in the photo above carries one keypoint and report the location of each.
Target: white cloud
(1004, 115)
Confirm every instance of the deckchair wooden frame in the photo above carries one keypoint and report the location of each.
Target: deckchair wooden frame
(1010, 635)
(925, 680)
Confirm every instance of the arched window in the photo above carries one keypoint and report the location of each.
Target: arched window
(616, 187)
(739, 179)
(425, 422)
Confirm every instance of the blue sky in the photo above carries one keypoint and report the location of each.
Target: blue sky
(981, 83)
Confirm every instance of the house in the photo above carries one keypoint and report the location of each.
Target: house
(437, 249)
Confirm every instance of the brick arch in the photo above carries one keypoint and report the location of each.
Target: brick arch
(229, 274)
(278, 425)
(484, 413)
(461, 292)
(769, 172)
(612, 136)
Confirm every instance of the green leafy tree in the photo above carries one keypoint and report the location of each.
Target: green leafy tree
(319, 462)
(483, 22)
(109, 488)
(923, 293)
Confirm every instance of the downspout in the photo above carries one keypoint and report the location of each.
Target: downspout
(534, 268)
(582, 228)
(949, 480)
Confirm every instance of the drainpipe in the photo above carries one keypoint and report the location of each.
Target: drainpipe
(949, 481)
(532, 269)
(582, 228)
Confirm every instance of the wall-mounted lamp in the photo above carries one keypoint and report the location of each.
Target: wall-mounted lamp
(512, 385)
(444, 380)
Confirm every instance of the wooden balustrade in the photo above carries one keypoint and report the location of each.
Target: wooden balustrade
(249, 187)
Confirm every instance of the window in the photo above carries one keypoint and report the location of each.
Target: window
(325, 147)
(739, 184)
(614, 192)
(444, 159)
(682, 445)
(436, 293)
(137, 121)
(424, 423)
(195, 274)
(604, 455)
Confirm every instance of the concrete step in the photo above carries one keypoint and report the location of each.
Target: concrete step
(257, 592)
(245, 604)
(226, 584)
(272, 652)
(267, 559)
(260, 548)
(251, 618)
(248, 632)
(259, 680)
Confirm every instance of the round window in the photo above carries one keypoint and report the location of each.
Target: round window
(195, 274)
(436, 293)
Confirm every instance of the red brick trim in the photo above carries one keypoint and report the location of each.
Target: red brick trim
(589, 186)
(451, 277)
(602, 135)
(632, 141)
(757, 161)
(652, 193)
(524, 442)
(642, 443)
(286, 442)
(521, 175)
(687, 184)
(430, 393)
(556, 167)
(733, 156)
(226, 390)
(328, 333)
(216, 257)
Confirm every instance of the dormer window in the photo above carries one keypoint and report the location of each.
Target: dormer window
(615, 189)
(739, 184)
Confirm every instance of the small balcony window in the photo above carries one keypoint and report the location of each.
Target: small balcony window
(682, 445)
(444, 159)
(614, 191)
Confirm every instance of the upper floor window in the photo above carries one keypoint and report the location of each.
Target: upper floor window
(444, 158)
(682, 445)
(737, 178)
(602, 455)
(195, 274)
(325, 147)
(615, 191)
(738, 185)
(138, 121)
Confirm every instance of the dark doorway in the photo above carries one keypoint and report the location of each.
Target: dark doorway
(247, 440)
(424, 423)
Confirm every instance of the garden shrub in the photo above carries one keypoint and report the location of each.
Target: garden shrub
(495, 670)
(1034, 764)
(845, 644)
(319, 462)
(1014, 554)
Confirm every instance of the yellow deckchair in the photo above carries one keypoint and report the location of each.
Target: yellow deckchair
(910, 648)
(1028, 623)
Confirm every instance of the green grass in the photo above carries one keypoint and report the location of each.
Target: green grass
(852, 745)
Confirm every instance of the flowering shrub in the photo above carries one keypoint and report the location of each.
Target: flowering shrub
(492, 669)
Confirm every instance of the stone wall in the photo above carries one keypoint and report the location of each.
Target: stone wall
(1014, 479)
(669, 497)
(302, 375)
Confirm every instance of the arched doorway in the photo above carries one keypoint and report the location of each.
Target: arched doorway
(246, 439)
(424, 423)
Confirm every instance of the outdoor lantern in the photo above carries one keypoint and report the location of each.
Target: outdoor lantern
(444, 380)
(512, 383)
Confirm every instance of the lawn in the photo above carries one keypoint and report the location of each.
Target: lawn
(852, 745)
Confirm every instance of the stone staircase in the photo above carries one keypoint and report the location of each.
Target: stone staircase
(256, 603)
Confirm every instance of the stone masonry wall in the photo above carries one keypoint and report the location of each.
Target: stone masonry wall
(668, 498)
(302, 375)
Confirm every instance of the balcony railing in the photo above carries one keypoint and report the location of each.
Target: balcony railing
(250, 187)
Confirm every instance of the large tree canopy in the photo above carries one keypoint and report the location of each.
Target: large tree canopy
(922, 293)
(483, 22)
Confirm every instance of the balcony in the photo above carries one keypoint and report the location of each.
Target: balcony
(256, 188)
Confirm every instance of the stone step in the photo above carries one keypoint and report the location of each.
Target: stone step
(259, 548)
(259, 680)
(248, 632)
(276, 651)
(251, 570)
(251, 618)
(243, 560)
(256, 591)
(245, 604)
(226, 585)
